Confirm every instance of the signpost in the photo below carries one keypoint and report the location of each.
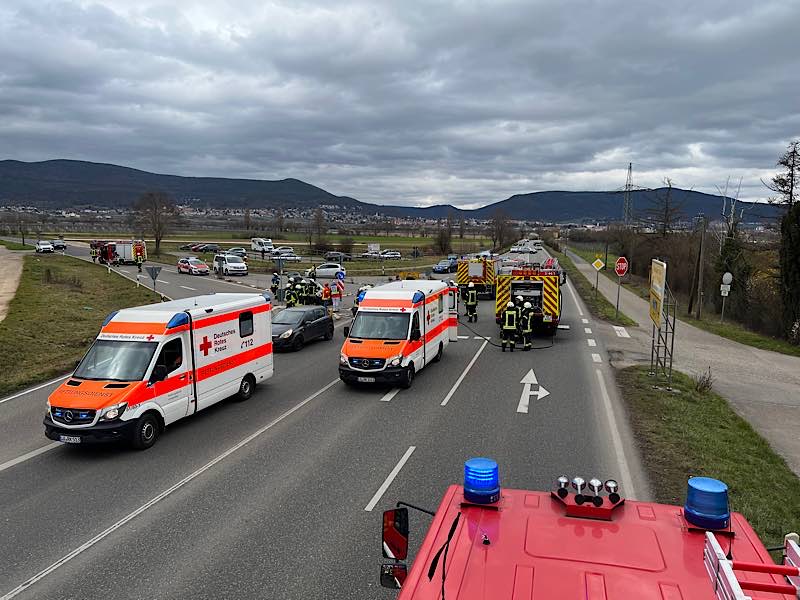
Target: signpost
(658, 279)
(598, 266)
(621, 268)
(663, 311)
(724, 290)
(153, 272)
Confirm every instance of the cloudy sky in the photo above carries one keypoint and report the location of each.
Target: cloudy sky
(408, 102)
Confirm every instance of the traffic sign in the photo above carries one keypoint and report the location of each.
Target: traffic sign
(340, 275)
(727, 278)
(658, 283)
(153, 272)
(621, 266)
(598, 264)
(724, 289)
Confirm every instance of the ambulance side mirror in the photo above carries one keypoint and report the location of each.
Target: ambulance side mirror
(416, 335)
(159, 374)
(395, 533)
(393, 576)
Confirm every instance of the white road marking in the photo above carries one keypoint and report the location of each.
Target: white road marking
(33, 389)
(480, 337)
(524, 399)
(575, 299)
(186, 287)
(28, 456)
(163, 281)
(624, 469)
(591, 342)
(585, 321)
(463, 374)
(621, 332)
(389, 479)
(587, 330)
(390, 394)
(596, 358)
(463, 337)
(156, 499)
(561, 326)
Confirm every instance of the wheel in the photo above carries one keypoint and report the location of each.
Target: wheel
(146, 432)
(409, 377)
(329, 335)
(298, 344)
(246, 388)
(438, 356)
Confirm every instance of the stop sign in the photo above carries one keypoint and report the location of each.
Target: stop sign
(621, 267)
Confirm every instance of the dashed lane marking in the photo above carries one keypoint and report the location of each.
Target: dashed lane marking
(596, 358)
(585, 321)
(186, 287)
(591, 342)
(463, 337)
(463, 374)
(28, 456)
(390, 394)
(389, 479)
(587, 330)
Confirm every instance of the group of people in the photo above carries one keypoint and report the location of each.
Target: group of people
(305, 292)
(516, 324)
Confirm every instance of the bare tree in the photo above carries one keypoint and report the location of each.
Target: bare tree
(156, 213)
(277, 223)
(247, 221)
(320, 226)
(664, 211)
(462, 227)
(499, 229)
(22, 225)
(787, 182)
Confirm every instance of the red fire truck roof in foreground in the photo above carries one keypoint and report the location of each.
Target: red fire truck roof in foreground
(535, 551)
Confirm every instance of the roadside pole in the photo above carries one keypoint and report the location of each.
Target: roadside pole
(724, 290)
(620, 268)
(700, 292)
(598, 266)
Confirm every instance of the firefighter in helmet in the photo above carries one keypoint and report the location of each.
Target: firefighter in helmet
(508, 323)
(276, 282)
(139, 260)
(472, 303)
(526, 326)
(290, 296)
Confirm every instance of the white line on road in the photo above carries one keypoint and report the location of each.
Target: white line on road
(624, 469)
(575, 299)
(33, 389)
(28, 456)
(163, 281)
(621, 332)
(591, 342)
(385, 485)
(156, 499)
(597, 358)
(587, 330)
(463, 337)
(585, 321)
(463, 374)
(390, 394)
(186, 287)
(482, 337)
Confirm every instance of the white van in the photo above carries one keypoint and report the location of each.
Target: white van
(259, 244)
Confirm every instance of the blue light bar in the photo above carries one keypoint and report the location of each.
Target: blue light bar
(418, 297)
(178, 319)
(707, 503)
(481, 481)
(109, 317)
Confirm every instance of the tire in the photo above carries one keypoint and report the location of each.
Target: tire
(438, 356)
(408, 380)
(298, 344)
(146, 432)
(329, 335)
(246, 388)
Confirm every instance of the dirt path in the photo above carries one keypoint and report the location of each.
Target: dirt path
(10, 271)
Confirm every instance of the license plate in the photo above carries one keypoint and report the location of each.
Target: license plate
(69, 439)
(366, 380)
(547, 319)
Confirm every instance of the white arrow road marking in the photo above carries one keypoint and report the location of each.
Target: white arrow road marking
(524, 399)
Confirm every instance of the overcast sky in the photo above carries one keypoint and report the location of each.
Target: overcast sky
(408, 102)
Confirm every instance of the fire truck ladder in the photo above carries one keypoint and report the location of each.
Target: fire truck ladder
(727, 587)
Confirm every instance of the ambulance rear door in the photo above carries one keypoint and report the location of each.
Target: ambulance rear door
(452, 310)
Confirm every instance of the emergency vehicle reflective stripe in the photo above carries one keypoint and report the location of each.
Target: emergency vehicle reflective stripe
(462, 273)
(429, 337)
(232, 362)
(510, 319)
(551, 301)
(134, 328)
(385, 303)
(217, 319)
(550, 297)
(503, 295)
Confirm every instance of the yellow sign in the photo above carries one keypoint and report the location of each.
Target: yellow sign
(598, 264)
(658, 281)
(409, 275)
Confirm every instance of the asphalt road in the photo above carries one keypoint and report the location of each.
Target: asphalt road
(284, 514)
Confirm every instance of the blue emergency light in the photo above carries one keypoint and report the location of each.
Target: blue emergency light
(109, 317)
(178, 319)
(481, 481)
(707, 503)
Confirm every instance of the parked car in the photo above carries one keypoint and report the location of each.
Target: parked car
(192, 266)
(371, 256)
(292, 328)
(446, 265)
(229, 264)
(59, 244)
(211, 248)
(43, 246)
(289, 257)
(326, 271)
(283, 250)
(339, 257)
(240, 252)
(195, 247)
(391, 255)
(188, 245)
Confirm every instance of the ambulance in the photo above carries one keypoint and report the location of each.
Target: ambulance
(152, 365)
(399, 328)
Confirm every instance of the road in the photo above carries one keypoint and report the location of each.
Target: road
(269, 498)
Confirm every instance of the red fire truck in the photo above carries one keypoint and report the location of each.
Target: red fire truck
(121, 252)
(583, 540)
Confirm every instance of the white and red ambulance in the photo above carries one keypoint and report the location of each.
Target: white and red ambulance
(152, 365)
(399, 328)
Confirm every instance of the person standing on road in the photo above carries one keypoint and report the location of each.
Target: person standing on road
(276, 283)
(139, 261)
(526, 326)
(472, 303)
(326, 296)
(302, 291)
(508, 323)
(336, 296)
(262, 253)
(290, 296)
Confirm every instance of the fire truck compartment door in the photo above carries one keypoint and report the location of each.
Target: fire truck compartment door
(475, 269)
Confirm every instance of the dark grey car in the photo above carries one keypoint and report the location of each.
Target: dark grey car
(293, 327)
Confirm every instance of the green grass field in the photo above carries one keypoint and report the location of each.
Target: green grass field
(686, 433)
(55, 314)
(15, 245)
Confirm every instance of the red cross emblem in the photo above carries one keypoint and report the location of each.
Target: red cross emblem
(428, 317)
(205, 346)
(150, 337)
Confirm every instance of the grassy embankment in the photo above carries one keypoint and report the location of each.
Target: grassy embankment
(15, 245)
(686, 432)
(55, 314)
(730, 329)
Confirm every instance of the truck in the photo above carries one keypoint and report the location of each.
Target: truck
(156, 364)
(582, 540)
(541, 287)
(481, 271)
(398, 329)
(119, 252)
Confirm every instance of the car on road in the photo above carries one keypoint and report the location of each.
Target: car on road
(188, 245)
(446, 265)
(371, 256)
(282, 250)
(288, 257)
(211, 248)
(339, 257)
(522, 250)
(326, 271)
(240, 252)
(195, 247)
(293, 328)
(59, 245)
(391, 255)
(229, 264)
(43, 246)
(192, 266)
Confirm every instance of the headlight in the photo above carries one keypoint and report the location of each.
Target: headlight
(342, 359)
(113, 412)
(286, 334)
(395, 360)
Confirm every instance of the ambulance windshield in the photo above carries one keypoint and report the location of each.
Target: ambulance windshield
(116, 361)
(380, 326)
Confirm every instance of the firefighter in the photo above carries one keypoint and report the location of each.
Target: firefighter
(326, 296)
(301, 288)
(311, 292)
(93, 253)
(472, 303)
(276, 283)
(526, 326)
(290, 296)
(139, 261)
(508, 323)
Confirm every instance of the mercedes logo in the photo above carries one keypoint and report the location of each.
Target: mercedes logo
(68, 416)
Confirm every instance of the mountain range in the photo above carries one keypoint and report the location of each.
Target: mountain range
(67, 184)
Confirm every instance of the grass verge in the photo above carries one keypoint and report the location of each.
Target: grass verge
(55, 315)
(738, 333)
(596, 303)
(15, 245)
(690, 433)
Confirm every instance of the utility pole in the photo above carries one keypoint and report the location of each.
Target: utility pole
(627, 207)
(700, 293)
